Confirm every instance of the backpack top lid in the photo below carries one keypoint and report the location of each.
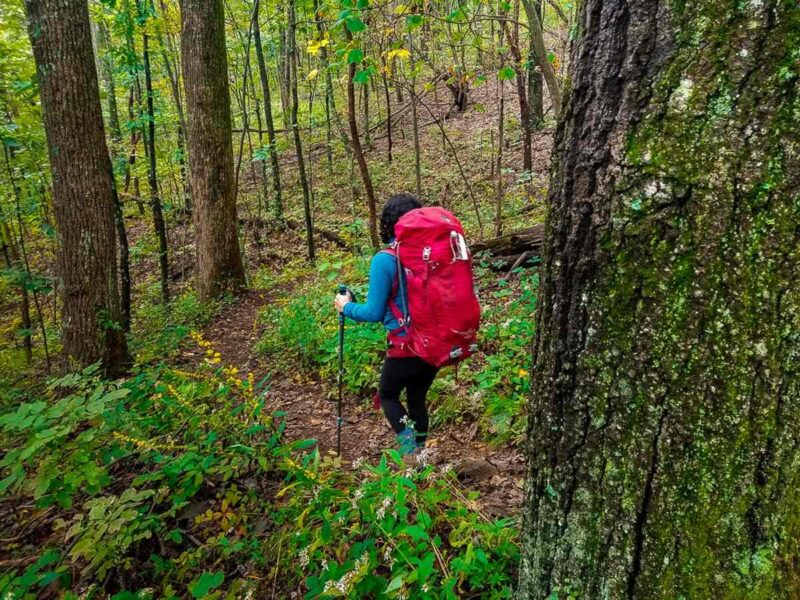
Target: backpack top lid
(429, 218)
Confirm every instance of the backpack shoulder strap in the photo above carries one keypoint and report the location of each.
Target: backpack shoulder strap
(391, 250)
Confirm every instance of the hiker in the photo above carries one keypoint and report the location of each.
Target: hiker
(429, 308)
(400, 371)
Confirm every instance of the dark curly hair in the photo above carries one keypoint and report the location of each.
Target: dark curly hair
(396, 207)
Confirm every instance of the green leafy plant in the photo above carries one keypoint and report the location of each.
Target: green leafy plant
(389, 531)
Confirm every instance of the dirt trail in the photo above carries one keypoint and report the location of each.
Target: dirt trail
(496, 473)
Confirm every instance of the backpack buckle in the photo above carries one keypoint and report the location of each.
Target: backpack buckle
(426, 253)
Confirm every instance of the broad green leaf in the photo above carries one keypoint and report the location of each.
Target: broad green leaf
(413, 21)
(361, 77)
(416, 532)
(506, 74)
(354, 24)
(356, 55)
(205, 583)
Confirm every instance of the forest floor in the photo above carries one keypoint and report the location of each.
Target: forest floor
(496, 472)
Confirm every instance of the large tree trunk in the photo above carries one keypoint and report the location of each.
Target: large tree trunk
(82, 182)
(663, 437)
(205, 77)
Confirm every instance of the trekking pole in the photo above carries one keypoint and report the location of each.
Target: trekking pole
(342, 290)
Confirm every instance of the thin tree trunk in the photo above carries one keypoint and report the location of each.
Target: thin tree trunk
(388, 118)
(663, 442)
(265, 91)
(498, 213)
(415, 120)
(540, 54)
(365, 102)
(358, 153)
(205, 76)
(245, 113)
(283, 79)
(535, 83)
(329, 95)
(155, 201)
(82, 184)
(167, 51)
(301, 166)
(522, 95)
(106, 67)
(124, 261)
(13, 262)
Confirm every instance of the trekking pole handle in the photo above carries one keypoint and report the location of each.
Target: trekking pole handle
(343, 290)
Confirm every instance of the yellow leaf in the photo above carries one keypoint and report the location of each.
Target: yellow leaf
(522, 372)
(312, 74)
(401, 9)
(400, 53)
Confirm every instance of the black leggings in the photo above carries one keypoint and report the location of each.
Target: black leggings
(415, 376)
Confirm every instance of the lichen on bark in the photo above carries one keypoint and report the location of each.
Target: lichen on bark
(662, 443)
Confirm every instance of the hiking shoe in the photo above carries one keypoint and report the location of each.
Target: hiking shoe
(407, 441)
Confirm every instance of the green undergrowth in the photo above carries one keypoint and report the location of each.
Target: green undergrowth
(175, 484)
(384, 531)
(158, 329)
(491, 388)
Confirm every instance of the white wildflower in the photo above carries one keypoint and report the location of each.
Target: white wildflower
(356, 497)
(304, 556)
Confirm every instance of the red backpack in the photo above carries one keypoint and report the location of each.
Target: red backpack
(443, 313)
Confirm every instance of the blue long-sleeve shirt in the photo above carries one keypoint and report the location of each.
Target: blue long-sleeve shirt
(382, 273)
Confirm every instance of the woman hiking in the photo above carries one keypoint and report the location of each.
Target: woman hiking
(400, 371)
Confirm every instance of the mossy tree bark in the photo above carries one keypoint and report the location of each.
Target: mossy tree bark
(60, 35)
(205, 77)
(663, 437)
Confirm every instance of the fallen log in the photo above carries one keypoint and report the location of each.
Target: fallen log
(261, 223)
(508, 262)
(323, 233)
(511, 245)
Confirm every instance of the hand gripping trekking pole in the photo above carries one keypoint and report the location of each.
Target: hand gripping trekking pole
(342, 290)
